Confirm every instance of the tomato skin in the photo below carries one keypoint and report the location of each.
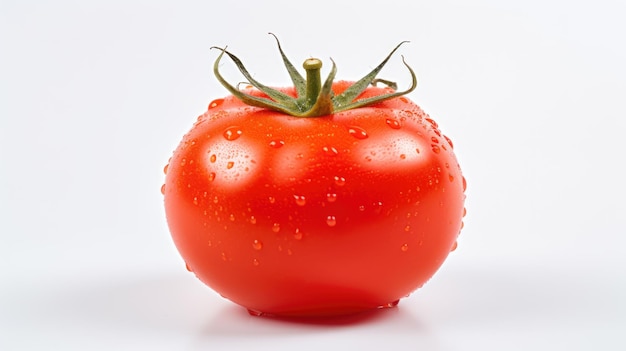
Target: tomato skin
(314, 216)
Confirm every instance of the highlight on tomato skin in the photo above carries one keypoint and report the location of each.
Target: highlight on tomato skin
(314, 215)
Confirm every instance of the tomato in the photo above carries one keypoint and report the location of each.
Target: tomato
(325, 215)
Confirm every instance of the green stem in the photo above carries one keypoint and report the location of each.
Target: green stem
(313, 69)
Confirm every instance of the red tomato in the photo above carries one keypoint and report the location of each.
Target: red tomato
(314, 216)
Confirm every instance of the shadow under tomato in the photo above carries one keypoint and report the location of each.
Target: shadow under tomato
(233, 327)
(233, 320)
(370, 316)
(347, 320)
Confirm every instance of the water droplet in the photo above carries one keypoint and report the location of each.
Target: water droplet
(391, 304)
(213, 158)
(404, 247)
(255, 313)
(300, 200)
(358, 132)
(276, 227)
(449, 142)
(330, 151)
(215, 103)
(165, 168)
(277, 143)
(257, 245)
(464, 184)
(211, 176)
(454, 246)
(188, 267)
(435, 149)
(451, 177)
(297, 234)
(252, 220)
(230, 164)
(232, 133)
(432, 122)
(434, 140)
(255, 262)
(163, 189)
(331, 221)
(331, 197)
(393, 123)
(340, 181)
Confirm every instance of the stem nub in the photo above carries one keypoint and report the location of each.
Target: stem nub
(314, 97)
(313, 68)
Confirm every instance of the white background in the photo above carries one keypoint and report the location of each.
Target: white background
(96, 95)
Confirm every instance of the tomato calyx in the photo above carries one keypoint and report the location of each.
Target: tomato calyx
(314, 98)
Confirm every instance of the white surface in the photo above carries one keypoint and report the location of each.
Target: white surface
(95, 96)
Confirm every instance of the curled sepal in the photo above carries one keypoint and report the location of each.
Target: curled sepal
(298, 81)
(281, 101)
(345, 100)
(341, 106)
(313, 98)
